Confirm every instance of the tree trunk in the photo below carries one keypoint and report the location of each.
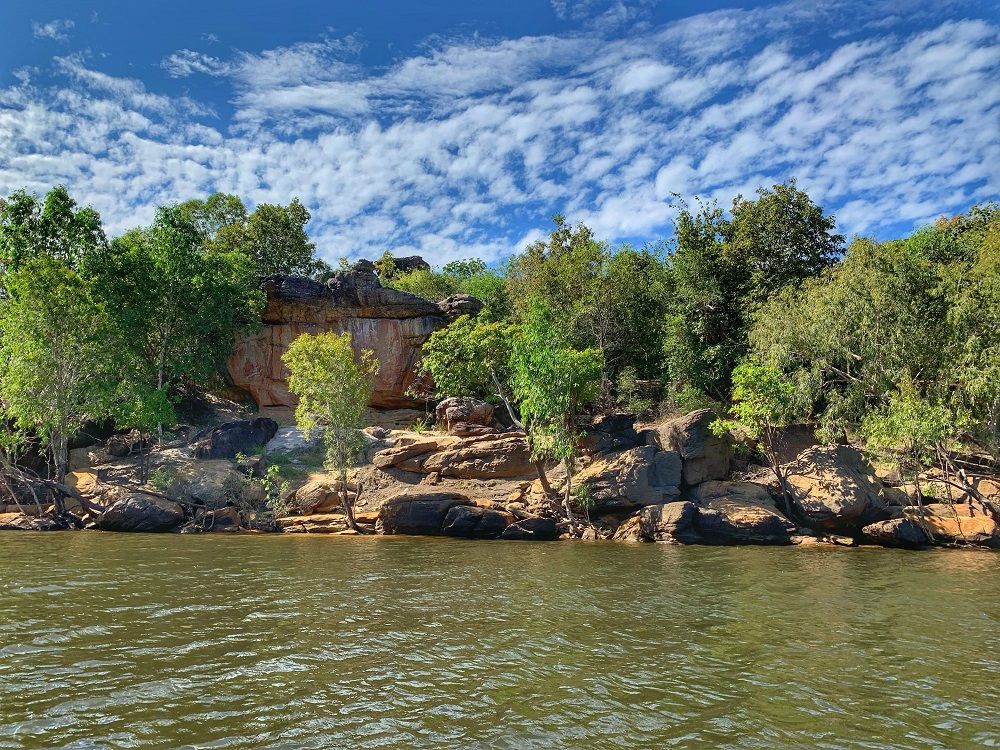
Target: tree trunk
(347, 503)
(568, 495)
(544, 480)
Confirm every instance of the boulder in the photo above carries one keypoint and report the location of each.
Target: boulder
(473, 522)
(457, 305)
(127, 444)
(741, 492)
(835, 489)
(316, 523)
(704, 454)
(670, 523)
(391, 323)
(139, 512)
(244, 436)
(611, 432)
(725, 520)
(406, 455)
(489, 457)
(959, 524)
(534, 529)
(897, 532)
(321, 495)
(418, 514)
(461, 410)
(632, 478)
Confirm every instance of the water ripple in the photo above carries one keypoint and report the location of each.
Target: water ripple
(119, 641)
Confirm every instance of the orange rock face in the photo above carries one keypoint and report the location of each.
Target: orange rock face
(392, 324)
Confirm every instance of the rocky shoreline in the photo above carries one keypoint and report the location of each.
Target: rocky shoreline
(667, 482)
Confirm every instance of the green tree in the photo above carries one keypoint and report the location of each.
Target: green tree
(764, 402)
(56, 356)
(334, 388)
(470, 357)
(725, 268)
(781, 238)
(178, 304)
(54, 227)
(273, 236)
(552, 382)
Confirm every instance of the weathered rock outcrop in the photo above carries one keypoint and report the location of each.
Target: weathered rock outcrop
(464, 417)
(959, 524)
(391, 323)
(835, 489)
(705, 454)
(897, 532)
(631, 478)
(243, 436)
(140, 512)
(532, 530)
(671, 523)
(739, 513)
(485, 457)
(472, 522)
(418, 514)
(17, 521)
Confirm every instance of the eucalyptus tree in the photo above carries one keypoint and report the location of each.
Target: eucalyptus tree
(57, 358)
(333, 387)
(552, 383)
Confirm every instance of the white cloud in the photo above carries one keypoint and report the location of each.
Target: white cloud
(468, 147)
(57, 30)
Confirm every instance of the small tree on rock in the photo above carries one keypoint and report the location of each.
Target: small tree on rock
(334, 388)
(552, 381)
(765, 401)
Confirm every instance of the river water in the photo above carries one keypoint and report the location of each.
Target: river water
(135, 641)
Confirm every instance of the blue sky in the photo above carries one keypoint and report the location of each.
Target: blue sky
(457, 129)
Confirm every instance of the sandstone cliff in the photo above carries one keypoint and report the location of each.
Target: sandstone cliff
(393, 324)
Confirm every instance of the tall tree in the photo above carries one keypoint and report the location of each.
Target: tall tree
(57, 357)
(273, 236)
(55, 227)
(178, 304)
(552, 383)
(333, 388)
(725, 268)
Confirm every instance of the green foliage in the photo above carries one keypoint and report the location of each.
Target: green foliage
(333, 388)
(908, 427)
(57, 370)
(163, 479)
(458, 277)
(552, 382)
(468, 358)
(916, 315)
(54, 227)
(273, 236)
(763, 398)
(385, 267)
(630, 393)
(177, 304)
(724, 269)
(425, 283)
(612, 301)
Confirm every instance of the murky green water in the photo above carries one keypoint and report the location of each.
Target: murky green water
(118, 641)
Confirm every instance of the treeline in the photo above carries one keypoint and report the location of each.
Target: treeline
(763, 311)
(94, 329)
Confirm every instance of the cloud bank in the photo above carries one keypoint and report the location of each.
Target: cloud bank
(467, 147)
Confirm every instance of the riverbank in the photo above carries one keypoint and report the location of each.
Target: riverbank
(672, 481)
